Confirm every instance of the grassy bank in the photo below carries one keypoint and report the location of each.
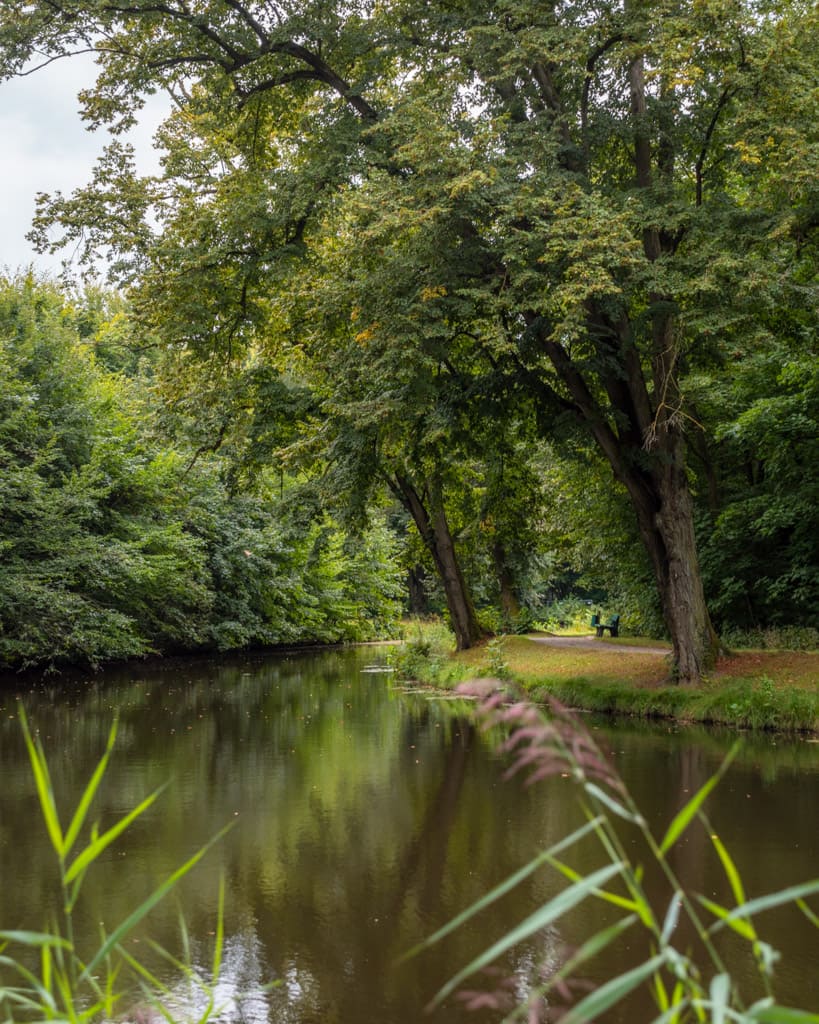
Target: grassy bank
(754, 689)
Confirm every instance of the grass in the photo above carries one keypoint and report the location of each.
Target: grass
(751, 689)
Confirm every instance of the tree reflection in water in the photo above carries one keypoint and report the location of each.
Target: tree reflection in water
(366, 819)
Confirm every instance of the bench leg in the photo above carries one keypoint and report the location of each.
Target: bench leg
(599, 631)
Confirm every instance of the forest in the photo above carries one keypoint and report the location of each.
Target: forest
(478, 309)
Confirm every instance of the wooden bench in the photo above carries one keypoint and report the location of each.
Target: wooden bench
(613, 625)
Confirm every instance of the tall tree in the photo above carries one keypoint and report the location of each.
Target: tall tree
(586, 185)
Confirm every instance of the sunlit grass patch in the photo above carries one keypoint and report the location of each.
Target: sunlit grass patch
(529, 661)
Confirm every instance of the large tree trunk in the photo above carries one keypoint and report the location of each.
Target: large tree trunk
(510, 605)
(434, 529)
(647, 454)
(418, 603)
(666, 524)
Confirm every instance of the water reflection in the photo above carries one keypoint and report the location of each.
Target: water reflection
(365, 819)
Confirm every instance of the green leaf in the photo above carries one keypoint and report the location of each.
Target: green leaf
(219, 941)
(26, 938)
(809, 914)
(730, 869)
(96, 846)
(742, 928)
(720, 990)
(774, 899)
(617, 808)
(147, 905)
(590, 948)
(42, 780)
(767, 1013)
(88, 794)
(672, 916)
(684, 817)
(612, 992)
(506, 886)
(542, 917)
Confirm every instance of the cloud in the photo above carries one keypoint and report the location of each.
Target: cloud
(47, 148)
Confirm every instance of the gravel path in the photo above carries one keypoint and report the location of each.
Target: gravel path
(592, 643)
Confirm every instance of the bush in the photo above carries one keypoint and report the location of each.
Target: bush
(424, 656)
(784, 638)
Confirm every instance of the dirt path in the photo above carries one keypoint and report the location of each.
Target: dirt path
(592, 643)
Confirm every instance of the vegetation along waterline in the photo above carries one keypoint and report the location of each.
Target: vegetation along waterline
(750, 689)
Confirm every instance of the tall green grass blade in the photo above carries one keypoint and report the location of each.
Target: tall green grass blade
(88, 794)
(672, 917)
(809, 914)
(723, 915)
(42, 780)
(147, 905)
(729, 868)
(504, 887)
(25, 938)
(34, 983)
(613, 805)
(613, 992)
(684, 817)
(660, 992)
(154, 983)
(766, 1013)
(590, 948)
(673, 1014)
(542, 917)
(720, 991)
(83, 860)
(774, 899)
(623, 902)
(219, 941)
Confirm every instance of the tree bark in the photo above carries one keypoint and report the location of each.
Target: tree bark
(510, 605)
(418, 604)
(647, 454)
(665, 519)
(434, 529)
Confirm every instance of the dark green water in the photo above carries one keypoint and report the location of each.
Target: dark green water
(365, 818)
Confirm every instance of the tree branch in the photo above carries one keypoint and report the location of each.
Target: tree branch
(706, 142)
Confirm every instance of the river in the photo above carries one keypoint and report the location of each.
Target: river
(364, 818)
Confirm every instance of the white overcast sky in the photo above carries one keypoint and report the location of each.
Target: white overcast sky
(47, 148)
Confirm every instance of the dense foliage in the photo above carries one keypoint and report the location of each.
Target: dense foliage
(483, 259)
(114, 542)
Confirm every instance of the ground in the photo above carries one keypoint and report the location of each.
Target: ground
(749, 689)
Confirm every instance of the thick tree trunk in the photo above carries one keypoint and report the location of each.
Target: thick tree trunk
(434, 529)
(510, 606)
(666, 524)
(418, 604)
(647, 455)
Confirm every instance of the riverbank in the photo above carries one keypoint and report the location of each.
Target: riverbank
(750, 689)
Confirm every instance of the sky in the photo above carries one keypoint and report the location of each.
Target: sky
(47, 148)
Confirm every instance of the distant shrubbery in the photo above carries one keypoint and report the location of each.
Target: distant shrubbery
(774, 638)
(114, 543)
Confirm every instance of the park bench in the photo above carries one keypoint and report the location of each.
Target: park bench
(613, 625)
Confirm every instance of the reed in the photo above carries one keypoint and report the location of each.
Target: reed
(686, 985)
(47, 976)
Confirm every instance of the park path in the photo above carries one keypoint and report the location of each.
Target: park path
(592, 643)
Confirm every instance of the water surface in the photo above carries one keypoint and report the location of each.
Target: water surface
(364, 819)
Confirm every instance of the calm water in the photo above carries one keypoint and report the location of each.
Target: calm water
(365, 818)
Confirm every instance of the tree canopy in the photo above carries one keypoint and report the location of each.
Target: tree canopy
(558, 211)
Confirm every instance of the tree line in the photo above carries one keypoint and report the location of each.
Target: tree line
(446, 250)
(117, 541)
